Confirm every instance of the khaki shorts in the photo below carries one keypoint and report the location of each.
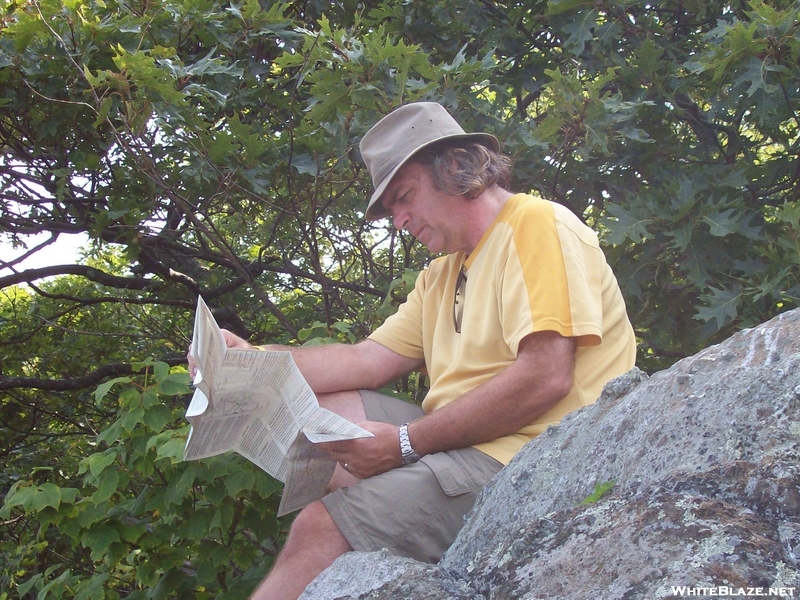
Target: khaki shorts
(416, 510)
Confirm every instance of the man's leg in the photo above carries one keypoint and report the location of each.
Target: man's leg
(350, 406)
(314, 541)
(313, 544)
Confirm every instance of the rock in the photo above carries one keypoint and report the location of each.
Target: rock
(705, 463)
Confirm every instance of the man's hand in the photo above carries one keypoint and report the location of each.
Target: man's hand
(231, 341)
(366, 457)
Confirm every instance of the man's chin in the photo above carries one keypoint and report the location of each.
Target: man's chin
(433, 245)
(433, 248)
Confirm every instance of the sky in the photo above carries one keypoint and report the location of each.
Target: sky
(64, 251)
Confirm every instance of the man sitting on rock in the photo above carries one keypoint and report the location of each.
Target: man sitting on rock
(520, 322)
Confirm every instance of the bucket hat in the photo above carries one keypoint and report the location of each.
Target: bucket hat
(394, 139)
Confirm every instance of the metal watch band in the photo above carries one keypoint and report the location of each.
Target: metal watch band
(407, 452)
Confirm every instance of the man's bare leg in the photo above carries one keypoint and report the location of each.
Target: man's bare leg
(350, 406)
(314, 541)
(313, 544)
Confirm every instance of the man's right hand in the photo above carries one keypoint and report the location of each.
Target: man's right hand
(231, 341)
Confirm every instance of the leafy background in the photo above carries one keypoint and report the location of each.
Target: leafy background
(209, 147)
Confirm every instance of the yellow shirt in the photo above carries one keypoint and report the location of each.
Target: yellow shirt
(536, 268)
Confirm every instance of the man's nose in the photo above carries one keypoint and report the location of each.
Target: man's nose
(399, 219)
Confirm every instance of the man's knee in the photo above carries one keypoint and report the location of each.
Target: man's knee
(347, 404)
(314, 528)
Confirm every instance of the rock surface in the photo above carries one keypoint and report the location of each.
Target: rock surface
(705, 460)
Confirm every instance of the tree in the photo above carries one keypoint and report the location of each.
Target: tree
(211, 148)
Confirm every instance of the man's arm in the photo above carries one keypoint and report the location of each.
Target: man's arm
(541, 375)
(536, 381)
(338, 367)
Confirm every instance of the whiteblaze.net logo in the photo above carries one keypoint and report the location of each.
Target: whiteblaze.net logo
(775, 592)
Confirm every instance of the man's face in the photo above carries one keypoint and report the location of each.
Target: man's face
(423, 210)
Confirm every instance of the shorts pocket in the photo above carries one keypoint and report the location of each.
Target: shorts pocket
(451, 477)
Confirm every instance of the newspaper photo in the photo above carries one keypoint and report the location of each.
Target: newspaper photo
(257, 403)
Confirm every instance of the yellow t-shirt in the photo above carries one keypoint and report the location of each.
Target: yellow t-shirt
(536, 268)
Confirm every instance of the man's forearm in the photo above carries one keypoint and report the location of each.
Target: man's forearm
(325, 368)
(540, 377)
(339, 367)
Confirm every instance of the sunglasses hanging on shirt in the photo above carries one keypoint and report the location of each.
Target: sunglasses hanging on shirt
(458, 298)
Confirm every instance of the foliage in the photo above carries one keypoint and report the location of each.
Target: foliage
(136, 521)
(211, 148)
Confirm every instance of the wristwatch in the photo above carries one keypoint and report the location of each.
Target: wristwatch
(407, 452)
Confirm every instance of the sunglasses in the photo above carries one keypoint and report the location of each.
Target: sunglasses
(458, 299)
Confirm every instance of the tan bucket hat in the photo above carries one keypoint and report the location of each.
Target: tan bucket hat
(394, 139)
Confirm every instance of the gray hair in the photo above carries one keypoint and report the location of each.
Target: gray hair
(465, 169)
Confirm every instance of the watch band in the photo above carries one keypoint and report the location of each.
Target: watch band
(406, 451)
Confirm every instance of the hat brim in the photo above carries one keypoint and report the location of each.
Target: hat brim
(375, 210)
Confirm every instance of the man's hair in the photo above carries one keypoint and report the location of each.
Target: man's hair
(465, 169)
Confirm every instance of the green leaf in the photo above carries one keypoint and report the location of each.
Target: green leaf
(107, 485)
(91, 513)
(241, 479)
(97, 462)
(20, 494)
(266, 485)
(99, 538)
(756, 76)
(722, 305)
(178, 487)
(104, 388)
(160, 371)
(174, 384)
(216, 493)
(156, 417)
(47, 494)
(696, 266)
(130, 398)
(682, 235)
(131, 418)
(112, 434)
(722, 223)
(625, 224)
(305, 164)
(212, 66)
(150, 398)
(24, 588)
(69, 495)
(790, 213)
(168, 583)
(648, 58)
(580, 31)
(94, 588)
(638, 135)
(172, 448)
(556, 7)
(198, 525)
(94, 80)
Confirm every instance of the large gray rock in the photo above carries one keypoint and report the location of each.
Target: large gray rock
(705, 460)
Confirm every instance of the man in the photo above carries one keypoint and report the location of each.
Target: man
(519, 323)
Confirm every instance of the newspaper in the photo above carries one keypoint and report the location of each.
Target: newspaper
(257, 403)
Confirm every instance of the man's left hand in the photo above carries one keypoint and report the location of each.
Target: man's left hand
(366, 457)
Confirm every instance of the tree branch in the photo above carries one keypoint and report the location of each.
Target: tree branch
(77, 383)
(91, 273)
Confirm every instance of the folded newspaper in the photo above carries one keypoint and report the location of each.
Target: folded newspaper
(257, 403)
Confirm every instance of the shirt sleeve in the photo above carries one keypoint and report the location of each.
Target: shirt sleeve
(553, 278)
